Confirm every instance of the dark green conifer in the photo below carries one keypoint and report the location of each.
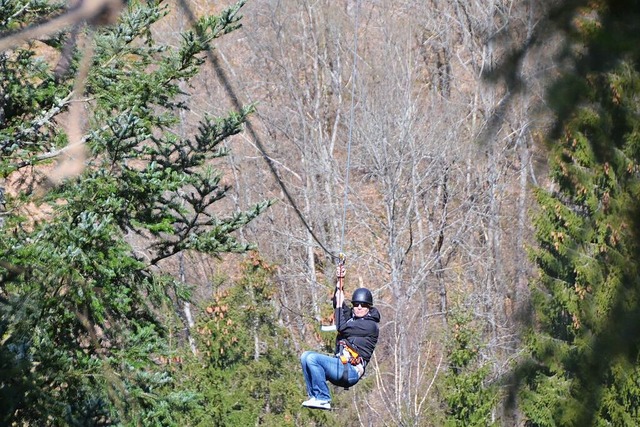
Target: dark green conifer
(585, 333)
(84, 318)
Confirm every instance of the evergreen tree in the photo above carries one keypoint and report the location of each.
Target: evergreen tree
(81, 308)
(469, 397)
(585, 336)
(248, 373)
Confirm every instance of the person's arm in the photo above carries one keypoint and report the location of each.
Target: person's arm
(338, 295)
(339, 315)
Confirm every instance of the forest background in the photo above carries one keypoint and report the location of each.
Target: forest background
(178, 178)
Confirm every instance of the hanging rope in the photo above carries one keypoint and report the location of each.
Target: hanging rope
(222, 76)
(351, 120)
(237, 105)
(341, 260)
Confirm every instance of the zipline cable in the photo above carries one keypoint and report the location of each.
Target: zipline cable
(222, 76)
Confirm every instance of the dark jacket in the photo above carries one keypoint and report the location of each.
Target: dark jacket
(360, 332)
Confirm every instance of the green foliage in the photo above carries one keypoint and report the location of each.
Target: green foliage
(85, 315)
(583, 342)
(544, 400)
(470, 399)
(247, 372)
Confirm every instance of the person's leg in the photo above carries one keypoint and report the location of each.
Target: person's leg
(352, 376)
(305, 371)
(317, 368)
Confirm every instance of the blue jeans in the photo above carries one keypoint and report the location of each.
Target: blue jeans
(320, 368)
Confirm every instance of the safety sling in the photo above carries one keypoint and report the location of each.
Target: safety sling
(349, 356)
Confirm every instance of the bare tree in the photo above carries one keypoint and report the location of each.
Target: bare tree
(440, 167)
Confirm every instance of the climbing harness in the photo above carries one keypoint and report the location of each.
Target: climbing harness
(349, 356)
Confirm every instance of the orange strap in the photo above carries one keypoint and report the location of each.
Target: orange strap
(353, 357)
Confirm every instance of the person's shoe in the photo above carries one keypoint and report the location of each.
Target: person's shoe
(317, 404)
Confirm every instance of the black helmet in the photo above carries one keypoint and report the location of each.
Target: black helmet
(362, 295)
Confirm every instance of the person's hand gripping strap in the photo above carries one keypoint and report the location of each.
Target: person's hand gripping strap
(338, 294)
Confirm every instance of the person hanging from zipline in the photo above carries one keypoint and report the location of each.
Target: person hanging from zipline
(357, 337)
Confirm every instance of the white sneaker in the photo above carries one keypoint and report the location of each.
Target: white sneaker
(316, 403)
